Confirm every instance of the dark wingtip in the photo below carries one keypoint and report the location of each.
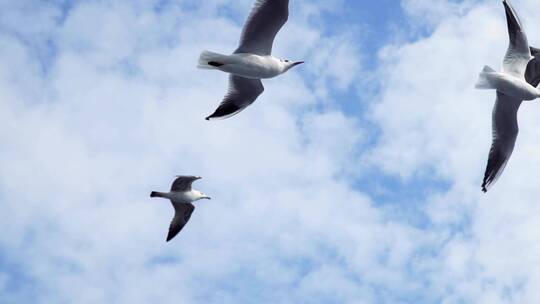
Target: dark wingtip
(485, 185)
(216, 116)
(511, 18)
(225, 110)
(213, 116)
(196, 177)
(508, 10)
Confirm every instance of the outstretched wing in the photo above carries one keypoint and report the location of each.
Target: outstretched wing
(535, 51)
(504, 131)
(183, 183)
(182, 215)
(518, 54)
(532, 74)
(266, 19)
(242, 93)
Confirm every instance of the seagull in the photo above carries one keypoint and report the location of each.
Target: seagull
(513, 86)
(252, 60)
(181, 196)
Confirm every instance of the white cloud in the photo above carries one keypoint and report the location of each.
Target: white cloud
(115, 109)
(118, 111)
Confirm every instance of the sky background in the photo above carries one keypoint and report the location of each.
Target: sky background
(354, 178)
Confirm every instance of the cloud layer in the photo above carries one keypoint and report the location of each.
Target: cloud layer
(102, 103)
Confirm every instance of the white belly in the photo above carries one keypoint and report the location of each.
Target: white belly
(182, 197)
(252, 66)
(515, 87)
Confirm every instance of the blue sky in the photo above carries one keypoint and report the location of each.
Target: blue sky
(354, 178)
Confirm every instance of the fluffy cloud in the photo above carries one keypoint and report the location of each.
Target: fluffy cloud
(108, 105)
(102, 103)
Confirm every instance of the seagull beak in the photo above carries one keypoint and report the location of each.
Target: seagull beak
(207, 197)
(297, 63)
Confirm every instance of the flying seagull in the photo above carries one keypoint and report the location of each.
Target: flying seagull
(513, 87)
(181, 196)
(252, 60)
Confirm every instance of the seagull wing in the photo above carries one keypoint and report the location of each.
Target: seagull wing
(535, 51)
(532, 74)
(183, 183)
(242, 93)
(504, 131)
(518, 54)
(181, 217)
(266, 19)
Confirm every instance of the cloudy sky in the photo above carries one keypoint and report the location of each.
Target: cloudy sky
(355, 178)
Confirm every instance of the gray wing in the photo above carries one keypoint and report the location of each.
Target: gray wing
(532, 74)
(535, 51)
(242, 93)
(266, 19)
(183, 183)
(518, 54)
(181, 217)
(504, 131)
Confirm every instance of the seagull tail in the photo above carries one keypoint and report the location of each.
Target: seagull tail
(156, 194)
(210, 60)
(485, 79)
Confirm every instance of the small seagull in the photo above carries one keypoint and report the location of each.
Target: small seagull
(516, 83)
(181, 196)
(252, 60)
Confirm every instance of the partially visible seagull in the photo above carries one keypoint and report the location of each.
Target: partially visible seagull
(512, 89)
(252, 60)
(181, 196)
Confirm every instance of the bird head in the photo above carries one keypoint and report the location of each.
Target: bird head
(202, 196)
(288, 64)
